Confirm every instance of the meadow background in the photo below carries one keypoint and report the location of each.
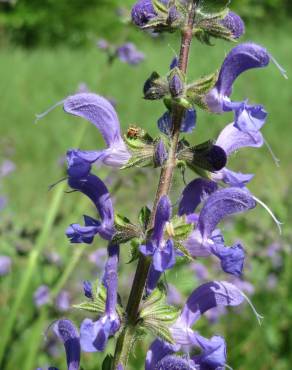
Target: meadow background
(47, 49)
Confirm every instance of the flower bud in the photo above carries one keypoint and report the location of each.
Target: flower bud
(234, 24)
(155, 87)
(142, 12)
(176, 86)
(160, 154)
(173, 15)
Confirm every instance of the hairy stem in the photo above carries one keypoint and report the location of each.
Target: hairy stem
(125, 343)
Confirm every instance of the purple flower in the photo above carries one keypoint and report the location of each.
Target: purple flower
(6, 168)
(128, 53)
(230, 140)
(5, 265)
(214, 315)
(94, 334)
(98, 258)
(103, 116)
(213, 351)
(188, 124)
(273, 252)
(54, 258)
(245, 286)
(176, 362)
(63, 301)
(232, 258)
(248, 118)
(41, 296)
(205, 239)
(102, 44)
(68, 334)
(142, 12)
(234, 24)
(240, 59)
(100, 112)
(194, 193)
(200, 270)
(3, 202)
(162, 251)
(174, 297)
(272, 282)
(96, 190)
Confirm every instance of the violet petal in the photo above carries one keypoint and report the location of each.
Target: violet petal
(68, 334)
(194, 193)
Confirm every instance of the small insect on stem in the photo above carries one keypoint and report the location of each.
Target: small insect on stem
(133, 131)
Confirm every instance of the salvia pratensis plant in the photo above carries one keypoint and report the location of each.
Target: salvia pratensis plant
(184, 228)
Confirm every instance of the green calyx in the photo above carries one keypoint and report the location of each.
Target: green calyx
(170, 17)
(155, 87)
(156, 316)
(197, 90)
(144, 149)
(208, 22)
(97, 303)
(125, 230)
(206, 156)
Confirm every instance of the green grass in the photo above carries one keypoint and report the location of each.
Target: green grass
(32, 81)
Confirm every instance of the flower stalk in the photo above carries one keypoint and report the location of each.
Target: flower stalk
(125, 340)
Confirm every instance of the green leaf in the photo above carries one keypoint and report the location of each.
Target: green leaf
(144, 217)
(99, 292)
(203, 85)
(121, 220)
(91, 306)
(159, 330)
(181, 228)
(156, 316)
(157, 297)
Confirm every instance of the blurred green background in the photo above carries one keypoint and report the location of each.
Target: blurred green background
(47, 48)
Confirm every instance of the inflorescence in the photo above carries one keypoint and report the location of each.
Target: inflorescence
(188, 230)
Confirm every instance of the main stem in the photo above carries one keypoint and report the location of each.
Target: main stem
(125, 341)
